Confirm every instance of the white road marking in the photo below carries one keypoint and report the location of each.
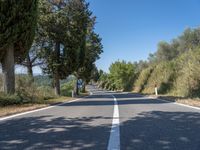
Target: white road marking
(32, 111)
(179, 104)
(114, 140)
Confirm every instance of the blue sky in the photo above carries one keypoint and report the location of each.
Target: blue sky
(131, 29)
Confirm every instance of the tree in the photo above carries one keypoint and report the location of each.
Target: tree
(165, 52)
(64, 24)
(121, 76)
(190, 39)
(17, 29)
(92, 53)
(32, 60)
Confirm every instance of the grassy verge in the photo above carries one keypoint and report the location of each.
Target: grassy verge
(188, 101)
(182, 100)
(14, 109)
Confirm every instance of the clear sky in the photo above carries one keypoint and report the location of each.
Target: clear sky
(131, 29)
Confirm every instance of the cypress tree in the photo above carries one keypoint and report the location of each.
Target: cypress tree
(64, 24)
(17, 29)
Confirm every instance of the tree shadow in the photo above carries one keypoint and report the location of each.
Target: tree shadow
(45, 132)
(158, 130)
(122, 99)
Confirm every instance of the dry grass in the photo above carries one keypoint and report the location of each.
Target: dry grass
(9, 110)
(14, 109)
(182, 100)
(191, 102)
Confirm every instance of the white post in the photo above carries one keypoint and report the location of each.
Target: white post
(156, 91)
(72, 93)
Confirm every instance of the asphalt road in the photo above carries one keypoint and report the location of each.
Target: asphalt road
(144, 124)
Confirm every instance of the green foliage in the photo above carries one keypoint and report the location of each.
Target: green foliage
(188, 81)
(6, 100)
(174, 67)
(43, 80)
(63, 25)
(29, 92)
(142, 80)
(17, 26)
(121, 76)
(163, 76)
(70, 44)
(66, 88)
(92, 53)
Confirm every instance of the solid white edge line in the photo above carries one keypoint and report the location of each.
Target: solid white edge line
(40, 109)
(184, 105)
(114, 139)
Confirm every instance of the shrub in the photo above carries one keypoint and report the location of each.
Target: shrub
(163, 76)
(142, 80)
(188, 81)
(26, 89)
(66, 88)
(29, 92)
(6, 100)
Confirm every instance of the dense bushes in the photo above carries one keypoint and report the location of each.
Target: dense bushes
(174, 68)
(142, 79)
(179, 77)
(66, 88)
(162, 76)
(121, 76)
(9, 99)
(29, 90)
(188, 81)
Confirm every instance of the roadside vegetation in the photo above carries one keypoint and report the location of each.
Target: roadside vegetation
(57, 36)
(174, 68)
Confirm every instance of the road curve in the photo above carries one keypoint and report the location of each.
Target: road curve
(145, 124)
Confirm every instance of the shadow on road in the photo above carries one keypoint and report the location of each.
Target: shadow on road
(152, 130)
(159, 130)
(48, 133)
(123, 99)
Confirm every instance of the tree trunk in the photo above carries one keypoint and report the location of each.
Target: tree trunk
(83, 90)
(8, 68)
(29, 66)
(56, 74)
(57, 85)
(76, 88)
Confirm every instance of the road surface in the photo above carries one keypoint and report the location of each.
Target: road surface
(105, 121)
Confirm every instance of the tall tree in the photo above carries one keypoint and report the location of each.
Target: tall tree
(17, 29)
(92, 53)
(32, 59)
(64, 24)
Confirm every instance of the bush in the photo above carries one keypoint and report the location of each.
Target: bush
(142, 80)
(163, 76)
(6, 100)
(66, 88)
(45, 92)
(188, 81)
(30, 93)
(26, 89)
